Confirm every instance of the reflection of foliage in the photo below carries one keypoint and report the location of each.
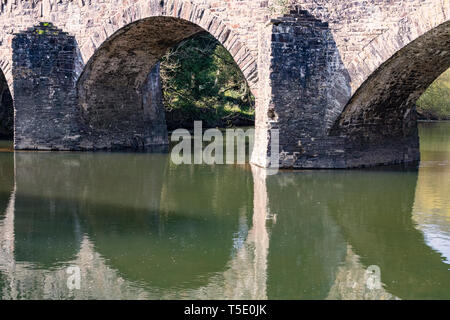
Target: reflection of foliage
(435, 102)
(201, 81)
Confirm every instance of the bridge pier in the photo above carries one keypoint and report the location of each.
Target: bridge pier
(44, 92)
(48, 115)
(304, 87)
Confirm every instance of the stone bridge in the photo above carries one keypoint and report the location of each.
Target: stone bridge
(339, 79)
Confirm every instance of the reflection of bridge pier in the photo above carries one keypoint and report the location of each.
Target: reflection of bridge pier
(246, 277)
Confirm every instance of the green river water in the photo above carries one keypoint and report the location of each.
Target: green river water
(136, 226)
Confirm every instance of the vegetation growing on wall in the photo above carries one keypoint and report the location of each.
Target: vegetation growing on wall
(279, 7)
(435, 102)
(201, 81)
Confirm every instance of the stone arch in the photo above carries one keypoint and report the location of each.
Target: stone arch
(380, 120)
(407, 35)
(111, 86)
(197, 14)
(383, 47)
(374, 72)
(385, 102)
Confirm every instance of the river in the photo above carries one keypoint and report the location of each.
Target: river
(136, 226)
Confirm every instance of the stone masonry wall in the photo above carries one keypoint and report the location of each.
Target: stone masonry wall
(92, 22)
(381, 117)
(367, 32)
(45, 97)
(311, 85)
(307, 83)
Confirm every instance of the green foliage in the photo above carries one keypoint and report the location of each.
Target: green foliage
(201, 81)
(435, 102)
(279, 7)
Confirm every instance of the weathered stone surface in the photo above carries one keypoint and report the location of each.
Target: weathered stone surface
(381, 116)
(113, 90)
(45, 101)
(307, 88)
(303, 68)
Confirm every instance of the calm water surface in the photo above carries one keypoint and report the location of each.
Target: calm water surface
(139, 227)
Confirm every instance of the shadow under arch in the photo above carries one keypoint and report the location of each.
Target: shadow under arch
(111, 88)
(382, 110)
(6, 109)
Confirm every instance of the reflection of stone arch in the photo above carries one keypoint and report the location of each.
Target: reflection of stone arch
(243, 276)
(6, 71)
(173, 245)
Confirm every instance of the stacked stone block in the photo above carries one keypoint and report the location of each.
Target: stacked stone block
(45, 101)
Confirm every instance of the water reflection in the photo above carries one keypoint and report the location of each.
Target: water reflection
(432, 200)
(141, 228)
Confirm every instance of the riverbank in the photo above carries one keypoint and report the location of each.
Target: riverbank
(432, 116)
(434, 104)
(210, 118)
